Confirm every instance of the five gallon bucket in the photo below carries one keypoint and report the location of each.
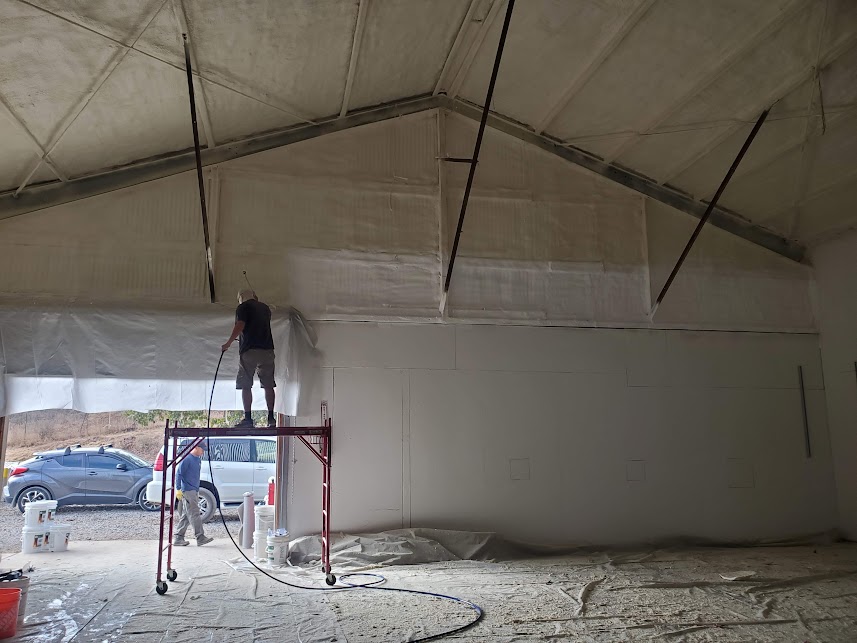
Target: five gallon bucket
(59, 537)
(264, 518)
(35, 539)
(23, 584)
(278, 549)
(39, 514)
(260, 544)
(10, 599)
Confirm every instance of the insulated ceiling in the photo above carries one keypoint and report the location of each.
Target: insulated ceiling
(666, 88)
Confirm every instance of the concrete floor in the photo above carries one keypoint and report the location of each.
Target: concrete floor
(104, 591)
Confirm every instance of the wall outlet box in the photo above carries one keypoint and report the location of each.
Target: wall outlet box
(635, 471)
(519, 468)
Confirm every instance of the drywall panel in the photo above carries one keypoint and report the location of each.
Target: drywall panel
(560, 350)
(415, 346)
(367, 456)
(837, 282)
(742, 360)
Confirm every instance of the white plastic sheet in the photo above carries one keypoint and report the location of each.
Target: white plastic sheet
(110, 360)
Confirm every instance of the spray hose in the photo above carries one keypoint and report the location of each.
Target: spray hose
(373, 584)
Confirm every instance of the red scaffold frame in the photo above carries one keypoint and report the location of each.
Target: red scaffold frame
(316, 438)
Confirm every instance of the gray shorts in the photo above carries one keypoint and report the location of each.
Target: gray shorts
(251, 362)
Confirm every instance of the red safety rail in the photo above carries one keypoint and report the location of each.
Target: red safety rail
(316, 438)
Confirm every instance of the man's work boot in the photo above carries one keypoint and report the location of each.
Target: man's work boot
(272, 421)
(203, 540)
(246, 423)
(179, 541)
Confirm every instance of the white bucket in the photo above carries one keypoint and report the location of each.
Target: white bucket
(260, 543)
(35, 540)
(277, 549)
(264, 518)
(59, 537)
(23, 584)
(39, 514)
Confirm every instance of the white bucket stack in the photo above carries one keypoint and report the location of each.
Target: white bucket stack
(264, 522)
(41, 533)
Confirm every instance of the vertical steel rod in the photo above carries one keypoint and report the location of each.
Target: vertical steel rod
(803, 408)
(208, 257)
(711, 207)
(476, 149)
(281, 463)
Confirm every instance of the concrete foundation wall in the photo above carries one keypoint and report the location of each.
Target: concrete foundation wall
(560, 435)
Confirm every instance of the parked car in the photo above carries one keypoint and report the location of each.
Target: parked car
(239, 465)
(80, 475)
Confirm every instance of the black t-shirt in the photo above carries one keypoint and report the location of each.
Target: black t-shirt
(257, 326)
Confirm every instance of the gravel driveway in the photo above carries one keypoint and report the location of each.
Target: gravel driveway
(104, 522)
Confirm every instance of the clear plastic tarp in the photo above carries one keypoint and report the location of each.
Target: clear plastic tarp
(111, 360)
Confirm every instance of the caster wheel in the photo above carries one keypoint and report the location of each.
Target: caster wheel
(172, 574)
(161, 587)
(330, 579)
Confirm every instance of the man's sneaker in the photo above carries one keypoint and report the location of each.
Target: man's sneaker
(180, 542)
(272, 422)
(204, 540)
(246, 423)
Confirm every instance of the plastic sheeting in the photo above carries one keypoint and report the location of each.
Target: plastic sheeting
(112, 360)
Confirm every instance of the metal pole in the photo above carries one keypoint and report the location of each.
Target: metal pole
(710, 208)
(208, 257)
(281, 468)
(803, 408)
(476, 149)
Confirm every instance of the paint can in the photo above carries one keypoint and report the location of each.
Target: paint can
(39, 514)
(260, 544)
(264, 516)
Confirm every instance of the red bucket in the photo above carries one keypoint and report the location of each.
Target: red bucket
(9, 599)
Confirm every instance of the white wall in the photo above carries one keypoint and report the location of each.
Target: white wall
(433, 423)
(836, 274)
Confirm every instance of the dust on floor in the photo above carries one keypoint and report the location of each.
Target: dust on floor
(105, 592)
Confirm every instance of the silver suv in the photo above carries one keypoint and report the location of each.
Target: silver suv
(239, 465)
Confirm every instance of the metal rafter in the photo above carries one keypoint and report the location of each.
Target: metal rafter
(39, 197)
(720, 217)
(362, 9)
(114, 61)
(594, 64)
(756, 40)
(43, 196)
(181, 23)
(456, 45)
(474, 45)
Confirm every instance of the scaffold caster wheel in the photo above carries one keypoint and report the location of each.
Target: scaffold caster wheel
(161, 587)
(330, 579)
(172, 574)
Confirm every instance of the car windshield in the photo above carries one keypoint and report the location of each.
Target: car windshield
(133, 458)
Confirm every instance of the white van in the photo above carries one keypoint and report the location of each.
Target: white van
(239, 465)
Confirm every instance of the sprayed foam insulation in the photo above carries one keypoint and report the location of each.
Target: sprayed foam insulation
(360, 224)
(721, 274)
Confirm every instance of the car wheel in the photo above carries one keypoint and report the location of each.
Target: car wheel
(207, 504)
(32, 494)
(144, 504)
